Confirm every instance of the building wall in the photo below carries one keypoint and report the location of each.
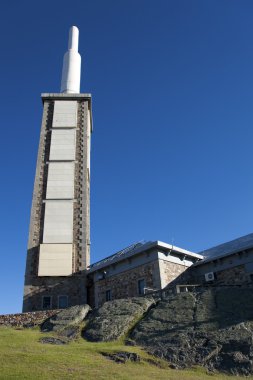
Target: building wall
(236, 275)
(235, 269)
(232, 276)
(157, 275)
(74, 285)
(172, 273)
(125, 284)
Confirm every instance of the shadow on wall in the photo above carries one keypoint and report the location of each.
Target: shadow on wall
(45, 293)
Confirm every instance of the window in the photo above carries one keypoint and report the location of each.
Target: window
(46, 302)
(62, 302)
(108, 295)
(141, 286)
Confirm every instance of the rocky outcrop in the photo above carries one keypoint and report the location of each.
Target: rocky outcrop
(66, 322)
(115, 318)
(213, 328)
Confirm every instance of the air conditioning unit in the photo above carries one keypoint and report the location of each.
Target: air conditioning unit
(209, 276)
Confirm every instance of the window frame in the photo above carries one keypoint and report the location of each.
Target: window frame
(50, 305)
(108, 292)
(139, 288)
(58, 303)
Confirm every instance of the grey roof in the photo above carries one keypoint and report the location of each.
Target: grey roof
(107, 260)
(137, 248)
(226, 249)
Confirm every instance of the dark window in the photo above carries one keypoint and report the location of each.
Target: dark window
(108, 295)
(46, 302)
(141, 286)
(62, 302)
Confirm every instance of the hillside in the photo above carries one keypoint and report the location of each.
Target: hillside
(22, 356)
(185, 336)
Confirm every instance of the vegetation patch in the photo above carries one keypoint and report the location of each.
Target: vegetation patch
(22, 356)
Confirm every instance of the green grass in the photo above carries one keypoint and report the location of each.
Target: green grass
(22, 357)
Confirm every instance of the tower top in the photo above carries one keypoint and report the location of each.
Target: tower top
(71, 71)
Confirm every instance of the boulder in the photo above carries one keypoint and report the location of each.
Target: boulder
(66, 321)
(115, 318)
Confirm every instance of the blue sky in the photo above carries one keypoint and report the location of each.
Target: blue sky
(172, 87)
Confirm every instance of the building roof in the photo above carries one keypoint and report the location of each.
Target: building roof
(227, 249)
(138, 248)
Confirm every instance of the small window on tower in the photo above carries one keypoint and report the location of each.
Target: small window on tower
(141, 286)
(62, 302)
(108, 295)
(46, 302)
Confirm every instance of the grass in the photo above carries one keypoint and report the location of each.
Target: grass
(23, 357)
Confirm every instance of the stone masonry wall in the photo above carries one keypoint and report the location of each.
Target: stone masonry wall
(37, 209)
(73, 286)
(26, 319)
(231, 276)
(173, 273)
(82, 205)
(125, 284)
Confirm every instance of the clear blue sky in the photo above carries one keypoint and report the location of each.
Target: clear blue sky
(172, 86)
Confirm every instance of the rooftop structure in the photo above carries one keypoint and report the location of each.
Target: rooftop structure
(71, 70)
(229, 248)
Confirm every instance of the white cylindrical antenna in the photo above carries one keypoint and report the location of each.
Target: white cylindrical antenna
(71, 71)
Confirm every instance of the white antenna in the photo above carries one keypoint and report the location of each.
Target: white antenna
(172, 242)
(71, 71)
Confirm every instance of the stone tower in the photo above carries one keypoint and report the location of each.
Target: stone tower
(59, 235)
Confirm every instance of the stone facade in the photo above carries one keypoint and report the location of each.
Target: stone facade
(142, 269)
(73, 287)
(156, 275)
(125, 284)
(231, 276)
(171, 273)
(231, 268)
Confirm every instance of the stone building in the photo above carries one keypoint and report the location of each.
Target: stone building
(138, 269)
(58, 271)
(230, 263)
(59, 236)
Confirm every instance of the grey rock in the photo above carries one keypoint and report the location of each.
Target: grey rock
(51, 340)
(213, 328)
(66, 319)
(115, 318)
(122, 356)
(70, 332)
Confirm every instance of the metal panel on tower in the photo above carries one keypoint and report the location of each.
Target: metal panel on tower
(65, 114)
(63, 145)
(55, 260)
(58, 222)
(60, 181)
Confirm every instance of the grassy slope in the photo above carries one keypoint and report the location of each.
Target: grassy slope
(23, 357)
